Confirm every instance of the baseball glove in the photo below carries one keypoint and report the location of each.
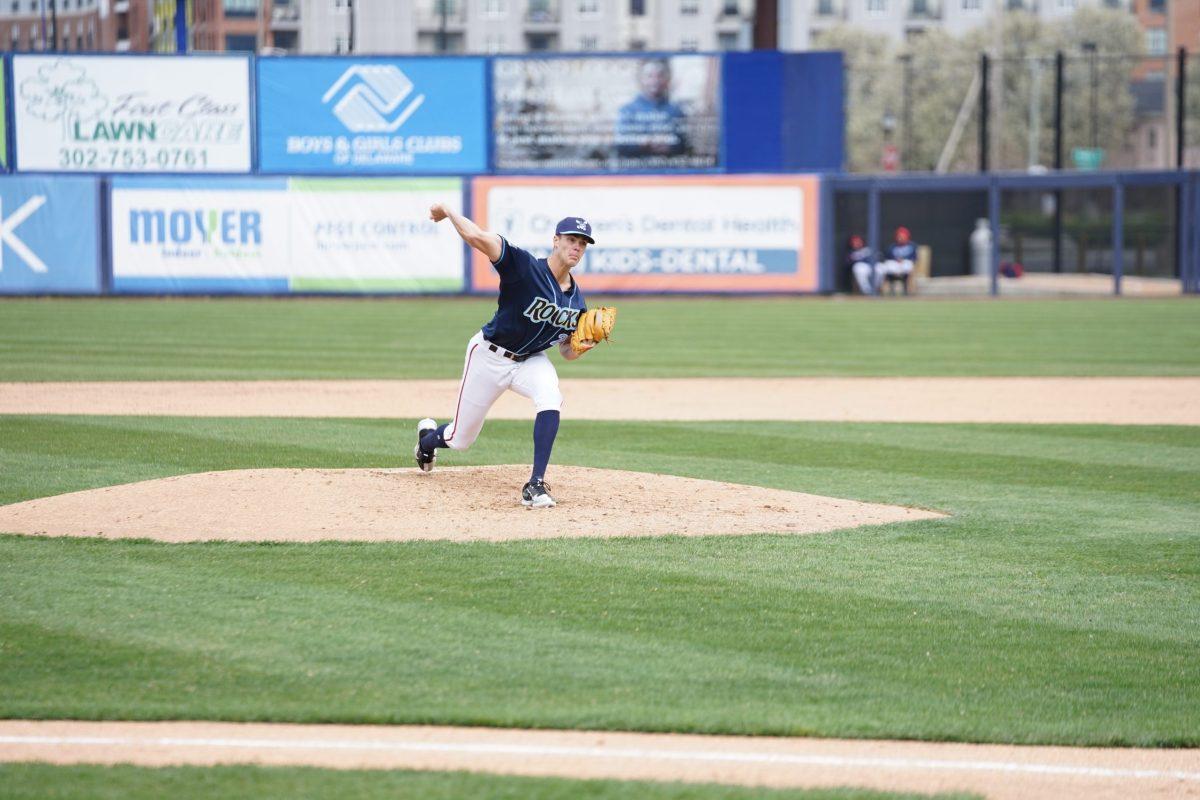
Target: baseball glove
(595, 324)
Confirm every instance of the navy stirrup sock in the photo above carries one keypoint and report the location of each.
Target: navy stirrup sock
(434, 438)
(545, 428)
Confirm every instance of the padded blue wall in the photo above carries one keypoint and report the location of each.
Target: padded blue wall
(783, 112)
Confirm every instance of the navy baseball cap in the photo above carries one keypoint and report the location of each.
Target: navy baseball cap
(576, 225)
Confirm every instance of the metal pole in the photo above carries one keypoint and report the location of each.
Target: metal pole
(994, 219)
(1118, 235)
(1095, 97)
(983, 112)
(1180, 108)
(443, 8)
(1059, 73)
(54, 24)
(350, 17)
(181, 26)
(906, 142)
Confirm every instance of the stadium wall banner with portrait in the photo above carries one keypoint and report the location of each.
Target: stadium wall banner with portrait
(131, 114)
(607, 114)
(49, 235)
(283, 235)
(683, 233)
(375, 115)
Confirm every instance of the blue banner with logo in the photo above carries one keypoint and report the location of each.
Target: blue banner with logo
(49, 235)
(377, 115)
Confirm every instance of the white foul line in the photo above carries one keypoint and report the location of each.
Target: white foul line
(614, 752)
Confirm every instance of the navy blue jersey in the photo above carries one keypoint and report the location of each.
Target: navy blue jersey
(533, 311)
(903, 252)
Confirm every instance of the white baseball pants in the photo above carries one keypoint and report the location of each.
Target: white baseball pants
(485, 377)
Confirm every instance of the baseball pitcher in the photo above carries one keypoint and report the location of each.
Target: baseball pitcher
(540, 305)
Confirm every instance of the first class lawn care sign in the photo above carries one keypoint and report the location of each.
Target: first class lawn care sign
(132, 114)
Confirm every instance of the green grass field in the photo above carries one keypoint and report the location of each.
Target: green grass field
(254, 339)
(1060, 603)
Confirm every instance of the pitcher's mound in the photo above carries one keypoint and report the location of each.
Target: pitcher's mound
(456, 503)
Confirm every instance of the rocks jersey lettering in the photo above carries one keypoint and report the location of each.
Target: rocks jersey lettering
(533, 311)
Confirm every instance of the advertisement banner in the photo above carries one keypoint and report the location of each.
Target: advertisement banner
(132, 114)
(664, 234)
(280, 235)
(392, 115)
(49, 235)
(607, 114)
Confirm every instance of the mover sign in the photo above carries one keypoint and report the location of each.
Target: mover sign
(153, 114)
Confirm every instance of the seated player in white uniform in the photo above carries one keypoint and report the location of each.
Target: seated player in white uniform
(538, 307)
(900, 257)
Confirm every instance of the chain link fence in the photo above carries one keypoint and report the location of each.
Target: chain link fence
(933, 109)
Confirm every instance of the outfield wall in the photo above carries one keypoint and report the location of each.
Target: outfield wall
(556, 114)
(701, 234)
(260, 235)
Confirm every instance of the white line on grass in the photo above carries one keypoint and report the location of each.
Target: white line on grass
(614, 752)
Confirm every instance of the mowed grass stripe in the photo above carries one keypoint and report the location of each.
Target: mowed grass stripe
(30, 782)
(256, 339)
(530, 643)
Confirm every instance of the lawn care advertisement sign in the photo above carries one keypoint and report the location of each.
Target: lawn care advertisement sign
(408, 115)
(49, 235)
(683, 233)
(278, 235)
(132, 114)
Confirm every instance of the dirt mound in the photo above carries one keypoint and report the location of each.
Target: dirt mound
(456, 503)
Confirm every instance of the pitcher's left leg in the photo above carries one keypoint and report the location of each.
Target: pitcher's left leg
(538, 380)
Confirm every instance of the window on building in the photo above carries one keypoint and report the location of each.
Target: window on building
(730, 8)
(494, 43)
(637, 44)
(689, 8)
(589, 8)
(1156, 41)
(690, 44)
(876, 6)
(825, 8)
(637, 8)
(16, 37)
(539, 42)
(1158, 6)
(727, 41)
(589, 43)
(240, 42)
(16, 6)
(972, 5)
(1066, 4)
(495, 9)
(240, 8)
(1151, 138)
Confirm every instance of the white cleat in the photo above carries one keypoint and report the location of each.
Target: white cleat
(536, 494)
(424, 460)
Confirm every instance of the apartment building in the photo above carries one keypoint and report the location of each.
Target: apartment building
(802, 21)
(251, 26)
(517, 26)
(65, 25)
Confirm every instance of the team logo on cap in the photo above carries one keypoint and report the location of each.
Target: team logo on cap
(581, 224)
